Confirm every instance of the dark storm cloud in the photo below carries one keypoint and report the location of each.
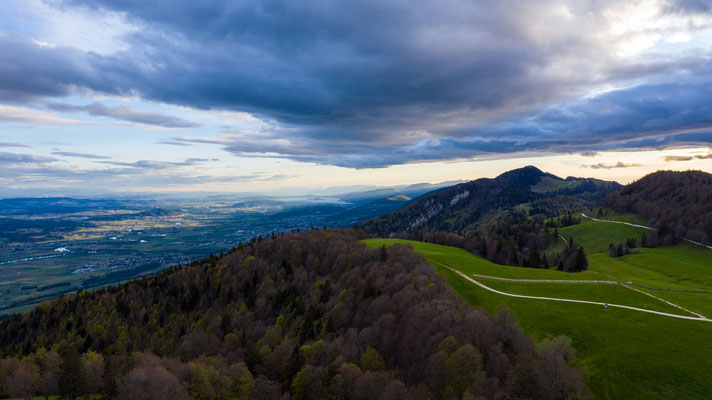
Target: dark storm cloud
(125, 113)
(362, 65)
(635, 118)
(364, 156)
(29, 70)
(377, 82)
(618, 115)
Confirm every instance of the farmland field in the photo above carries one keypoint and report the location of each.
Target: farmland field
(52, 246)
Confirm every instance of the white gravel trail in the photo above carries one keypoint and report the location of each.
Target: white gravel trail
(483, 286)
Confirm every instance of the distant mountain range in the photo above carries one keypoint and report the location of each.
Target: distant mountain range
(352, 208)
(464, 207)
(356, 193)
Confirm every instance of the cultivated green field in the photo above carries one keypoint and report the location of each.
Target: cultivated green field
(624, 354)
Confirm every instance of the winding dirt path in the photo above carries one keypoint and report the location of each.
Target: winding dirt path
(483, 286)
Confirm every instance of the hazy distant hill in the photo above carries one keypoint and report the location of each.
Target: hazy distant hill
(52, 205)
(310, 210)
(352, 208)
(463, 207)
(370, 210)
(680, 202)
(411, 191)
(343, 215)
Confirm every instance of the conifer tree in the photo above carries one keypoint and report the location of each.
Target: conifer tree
(72, 377)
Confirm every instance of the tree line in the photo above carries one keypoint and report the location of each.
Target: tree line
(647, 239)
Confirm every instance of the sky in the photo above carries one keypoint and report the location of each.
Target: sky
(278, 96)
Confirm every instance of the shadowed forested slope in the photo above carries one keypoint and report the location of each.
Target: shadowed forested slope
(501, 219)
(314, 314)
(465, 207)
(674, 202)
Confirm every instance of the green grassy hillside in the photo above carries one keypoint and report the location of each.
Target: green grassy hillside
(683, 266)
(624, 353)
(596, 236)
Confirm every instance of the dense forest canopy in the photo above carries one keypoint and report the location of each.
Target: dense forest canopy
(303, 315)
(675, 203)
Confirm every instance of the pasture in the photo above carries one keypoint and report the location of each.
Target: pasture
(623, 353)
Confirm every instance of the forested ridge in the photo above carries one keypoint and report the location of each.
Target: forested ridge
(485, 202)
(457, 209)
(676, 203)
(306, 315)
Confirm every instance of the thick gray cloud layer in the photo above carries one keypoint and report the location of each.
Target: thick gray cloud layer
(380, 82)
